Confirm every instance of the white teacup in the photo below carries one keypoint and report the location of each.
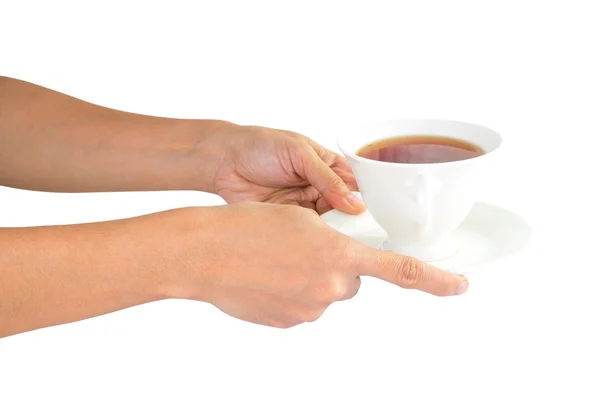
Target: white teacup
(419, 205)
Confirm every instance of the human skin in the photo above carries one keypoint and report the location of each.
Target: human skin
(262, 258)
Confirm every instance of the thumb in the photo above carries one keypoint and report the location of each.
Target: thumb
(330, 185)
(410, 273)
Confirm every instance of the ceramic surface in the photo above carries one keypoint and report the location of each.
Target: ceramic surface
(420, 205)
(487, 234)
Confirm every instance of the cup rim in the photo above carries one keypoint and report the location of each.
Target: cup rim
(356, 157)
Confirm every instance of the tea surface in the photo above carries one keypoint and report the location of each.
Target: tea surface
(420, 150)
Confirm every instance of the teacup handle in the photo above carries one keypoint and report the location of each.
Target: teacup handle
(427, 188)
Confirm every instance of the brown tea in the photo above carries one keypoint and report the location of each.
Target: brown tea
(420, 150)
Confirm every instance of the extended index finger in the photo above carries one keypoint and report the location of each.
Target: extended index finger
(410, 273)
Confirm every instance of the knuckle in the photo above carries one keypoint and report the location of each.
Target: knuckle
(408, 271)
(336, 184)
(331, 247)
(281, 324)
(295, 211)
(339, 247)
(356, 289)
(294, 136)
(341, 160)
(300, 141)
(287, 208)
(292, 214)
(275, 324)
(312, 315)
(336, 290)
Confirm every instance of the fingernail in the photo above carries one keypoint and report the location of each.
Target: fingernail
(354, 201)
(462, 287)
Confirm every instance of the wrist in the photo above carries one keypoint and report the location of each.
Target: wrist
(179, 247)
(207, 148)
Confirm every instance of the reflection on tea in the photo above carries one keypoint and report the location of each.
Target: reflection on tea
(420, 150)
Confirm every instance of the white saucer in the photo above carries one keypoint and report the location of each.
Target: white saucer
(488, 233)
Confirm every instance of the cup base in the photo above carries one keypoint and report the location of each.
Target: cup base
(428, 253)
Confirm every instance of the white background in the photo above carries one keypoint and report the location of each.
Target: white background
(527, 327)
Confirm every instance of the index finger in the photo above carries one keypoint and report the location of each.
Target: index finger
(410, 273)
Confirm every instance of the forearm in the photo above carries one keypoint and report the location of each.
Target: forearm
(53, 142)
(55, 275)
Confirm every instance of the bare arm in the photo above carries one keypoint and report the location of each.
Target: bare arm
(50, 141)
(53, 275)
(270, 264)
